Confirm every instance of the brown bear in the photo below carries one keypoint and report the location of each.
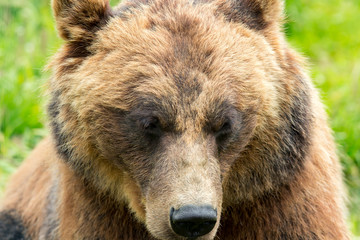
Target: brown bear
(178, 119)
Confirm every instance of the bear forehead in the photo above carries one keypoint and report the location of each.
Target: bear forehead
(181, 35)
(185, 60)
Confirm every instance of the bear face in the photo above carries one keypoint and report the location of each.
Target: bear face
(171, 104)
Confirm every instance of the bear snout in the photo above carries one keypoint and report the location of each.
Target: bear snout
(193, 221)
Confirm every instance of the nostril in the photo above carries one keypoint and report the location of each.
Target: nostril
(193, 221)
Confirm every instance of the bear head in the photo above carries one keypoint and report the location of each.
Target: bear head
(179, 109)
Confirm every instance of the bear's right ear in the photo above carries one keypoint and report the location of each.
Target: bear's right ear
(78, 20)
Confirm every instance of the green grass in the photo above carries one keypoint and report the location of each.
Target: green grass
(326, 32)
(27, 39)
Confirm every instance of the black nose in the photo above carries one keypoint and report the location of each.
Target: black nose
(193, 221)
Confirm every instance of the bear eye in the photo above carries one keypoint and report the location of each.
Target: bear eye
(151, 126)
(225, 128)
(223, 131)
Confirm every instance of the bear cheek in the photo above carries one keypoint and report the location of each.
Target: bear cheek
(134, 197)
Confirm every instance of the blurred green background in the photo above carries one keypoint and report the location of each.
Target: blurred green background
(327, 32)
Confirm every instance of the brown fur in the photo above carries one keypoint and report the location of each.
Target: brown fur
(160, 104)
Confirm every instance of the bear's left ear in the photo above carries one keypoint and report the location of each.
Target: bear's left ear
(78, 20)
(256, 14)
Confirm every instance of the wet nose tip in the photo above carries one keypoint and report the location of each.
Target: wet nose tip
(193, 221)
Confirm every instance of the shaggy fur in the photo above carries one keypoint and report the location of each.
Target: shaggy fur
(165, 103)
